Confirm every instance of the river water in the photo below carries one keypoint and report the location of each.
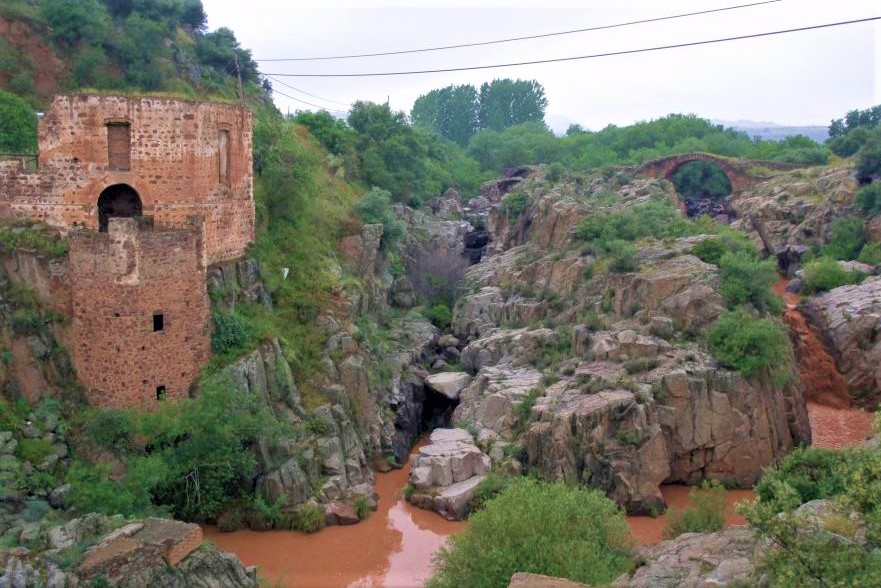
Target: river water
(394, 546)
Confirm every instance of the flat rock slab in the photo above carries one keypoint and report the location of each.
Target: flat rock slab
(454, 501)
(524, 580)
(450, 384)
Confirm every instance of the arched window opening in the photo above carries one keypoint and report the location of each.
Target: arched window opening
(118, 201)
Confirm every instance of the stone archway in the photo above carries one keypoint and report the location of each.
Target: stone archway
(118, 201)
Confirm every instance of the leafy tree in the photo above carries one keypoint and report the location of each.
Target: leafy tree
(701, 179)
(537, 527)
(505, 103)
(85, 21)
(18, 125)
(854, 119)
(451, 112)
(868, 161)
(375, 207)
(333, 133)
(849, 144)
(220, 49)
(747, 343)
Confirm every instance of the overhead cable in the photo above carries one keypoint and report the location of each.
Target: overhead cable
(525, 38)
(577, 57)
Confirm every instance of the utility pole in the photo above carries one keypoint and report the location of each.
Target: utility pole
(239, 75)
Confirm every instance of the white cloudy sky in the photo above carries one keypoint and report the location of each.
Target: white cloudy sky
(799, 78)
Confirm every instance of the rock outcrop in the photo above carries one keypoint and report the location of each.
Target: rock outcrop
(135, 554)
(849, 321)
(622, 393)
(445, 473)
(697, 560)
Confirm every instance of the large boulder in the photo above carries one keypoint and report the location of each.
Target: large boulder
(445, 473)
(719, 425)
(696, 560)
(450, 384)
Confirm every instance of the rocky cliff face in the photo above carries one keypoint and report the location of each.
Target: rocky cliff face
(848, 318)
(601, 378)
(795, 209)
(110, 551)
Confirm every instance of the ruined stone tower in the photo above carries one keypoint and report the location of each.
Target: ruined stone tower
(150, 191)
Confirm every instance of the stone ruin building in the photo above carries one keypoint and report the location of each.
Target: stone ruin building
(150, 192)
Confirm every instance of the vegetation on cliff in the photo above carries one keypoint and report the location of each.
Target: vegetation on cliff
(815, 543)
(537, 527)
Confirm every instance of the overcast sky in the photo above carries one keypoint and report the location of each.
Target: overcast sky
(798, 78)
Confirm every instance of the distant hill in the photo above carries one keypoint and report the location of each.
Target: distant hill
(774, 132)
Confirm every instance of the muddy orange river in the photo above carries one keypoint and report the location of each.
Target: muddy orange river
(392, 547)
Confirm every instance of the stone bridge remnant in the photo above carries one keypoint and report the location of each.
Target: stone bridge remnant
(742, 173)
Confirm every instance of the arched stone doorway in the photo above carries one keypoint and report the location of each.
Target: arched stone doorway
(118, 201)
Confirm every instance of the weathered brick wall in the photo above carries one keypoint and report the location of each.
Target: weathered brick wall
(119, 280)
(185, 546)
(174, 167)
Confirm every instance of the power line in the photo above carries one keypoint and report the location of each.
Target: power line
(274, 91)
(578, 57)
(304, 91)
(526, 38)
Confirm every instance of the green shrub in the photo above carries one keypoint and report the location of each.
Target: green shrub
(515, 204)
(26, 323)
(747, 343)
(704, 514)
(34, 451)
(231, 333)
(362, 507)
(18, 125)
(825, 274)
(111, 428)
(748, 280)
(870, 254)
(869, 199)
(832, 554)
(523, 409)
(846, 239)
(712, 249)
(623, 256)
(868, 159)
(555, 172)
(376, 207)
(440, 315)
(540, 528)
(805, 474)
(408, 491)
(657, 218)
(317, 425)
(491, 486)
(640, 364)
(309, 518)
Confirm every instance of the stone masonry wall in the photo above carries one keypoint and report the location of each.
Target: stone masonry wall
(119, 281)
(175, 167)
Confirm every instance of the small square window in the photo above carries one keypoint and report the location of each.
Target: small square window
(158, 322)
(160, 393)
